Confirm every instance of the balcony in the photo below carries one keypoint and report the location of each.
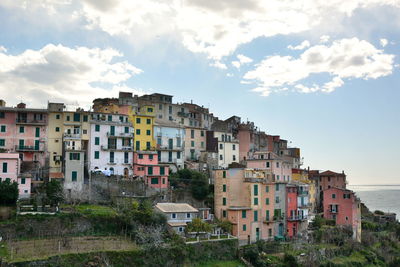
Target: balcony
(183, 114)
(72, 136)
(117, 148)
(26, 121)
(28, 148)
(169, 148)
(267, 220)
(303, 193)
(255, 180)
(123, 135)
(333, 211)
(304, 205)
(279, 218)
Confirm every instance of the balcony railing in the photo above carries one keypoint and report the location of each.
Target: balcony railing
(30, 121)
(73, 136)
(28, 148)
(183, 114)
(303, 193)
(304, 205)
(110, 134)
(115, 147)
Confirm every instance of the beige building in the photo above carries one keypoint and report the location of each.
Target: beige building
(245, 197)
(195, 143)
(228, 149)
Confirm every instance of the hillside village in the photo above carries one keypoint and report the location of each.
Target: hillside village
(196, 168)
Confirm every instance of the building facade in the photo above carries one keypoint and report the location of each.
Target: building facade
(147, 167)
(178, 215)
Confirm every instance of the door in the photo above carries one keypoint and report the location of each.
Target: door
(36, 144)
(170, 143)
(112, 130)
(280, 230)
(257, 234)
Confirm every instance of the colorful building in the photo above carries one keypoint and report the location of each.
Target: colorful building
(170, 147)
(343, 206)
(10, 165)
(291, 211)
(195, 143)
(301, 176)
(146, 167)
(111, 143)
(24, 131)
(143, 123)
(245, 198)
(325, 180)
(178, 215)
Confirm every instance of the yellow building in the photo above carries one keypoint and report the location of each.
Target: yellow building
(300, 175)
(143, 125)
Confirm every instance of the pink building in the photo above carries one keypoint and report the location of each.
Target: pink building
(280, 167)
(343, 206)
(145, 164)
(24, 131)
(10, 169)
(325, 180)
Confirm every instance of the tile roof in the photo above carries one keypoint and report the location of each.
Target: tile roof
(175, 207)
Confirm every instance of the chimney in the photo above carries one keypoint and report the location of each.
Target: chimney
(21, 105)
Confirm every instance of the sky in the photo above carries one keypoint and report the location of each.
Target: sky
(322, 74)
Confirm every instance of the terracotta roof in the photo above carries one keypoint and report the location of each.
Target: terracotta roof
(330, 173)
(56, 175)
(175, 207)
(174, 224)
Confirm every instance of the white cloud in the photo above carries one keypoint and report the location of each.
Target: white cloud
(324, 38)
(3, 49)
(63, 74)
(383, 42)
(218, 65)
(229, 75)
(346, 58)
(216, 28)
(242, 59)
(301, 46)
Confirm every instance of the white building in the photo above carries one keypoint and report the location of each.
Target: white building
(228, 149)
(170, 139)
(178, 215)
(111, 143)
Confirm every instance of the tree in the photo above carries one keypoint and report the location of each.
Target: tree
(54, 192)
(8, 192)
(198, 225)
(193, 180)
(225, 225)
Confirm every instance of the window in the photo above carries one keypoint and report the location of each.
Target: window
(221, 146)
(277, 164)
(170, 109)
(57, 116)
(191, 133)
(21, 129)
(74, 176)
(224, 201)
(276, 199)
(3, 128)
(202, 144)
(138, 120)
(255, 215)
(5, 167)
(178, 155)
(154, 180)
(148, 132)
(126, 130)
(162, 170)
(111, 157)
(148, 121)
(255, 201)
(267, 215)
(2, 115)
(244, 227)
(109, 117)
(97, 128)
(255, 190)
(277, 187)
(188, 215)
(2, 142)
(85, 118)
(192, 143)
(96, 154)
(150, 170)
(267, 189)
(267, 164)
(233, 147)
(202, 133)
(150, 110)
(148, 146)
(137, 131)
(267, 201)
(21, 143)
(23, 180)
(140, 156)
(126, 157)
(223, 174)
(57, 129)
(224, 213)
(138, 147)
(163, 180)
(269, 232)
(173, 215)
(68, 118)
(224, 188)
(244, 214)
(333, 196)
(74, 156)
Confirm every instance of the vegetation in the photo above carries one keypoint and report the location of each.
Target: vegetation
(199, 226)
(54, 192)
(8, 193)
(225, 225)
(193, 180)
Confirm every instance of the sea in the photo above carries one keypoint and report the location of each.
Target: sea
(379, 197)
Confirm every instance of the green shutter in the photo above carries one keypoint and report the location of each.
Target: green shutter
(37, 132)
(3, 128)
(267, 215)
(224, 174)
(112, 130)
(224, 201)
(96, 154)
(21, 129)
(36, 144)
(243, 214)
(85, 118)
(224, 188)
(2, 142)
(137, 145)
(5, 167)
(21, 143)
(162, 170)
(154, 180)
(74, 176)
(70, 156)
(97, 128)
(97, 141)
(77, 117)
(126, 129)
(267, 201)
(256, 201)
(255, 215)
(256, 190)
(244, 227)
(150, 170)
(267, 189)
